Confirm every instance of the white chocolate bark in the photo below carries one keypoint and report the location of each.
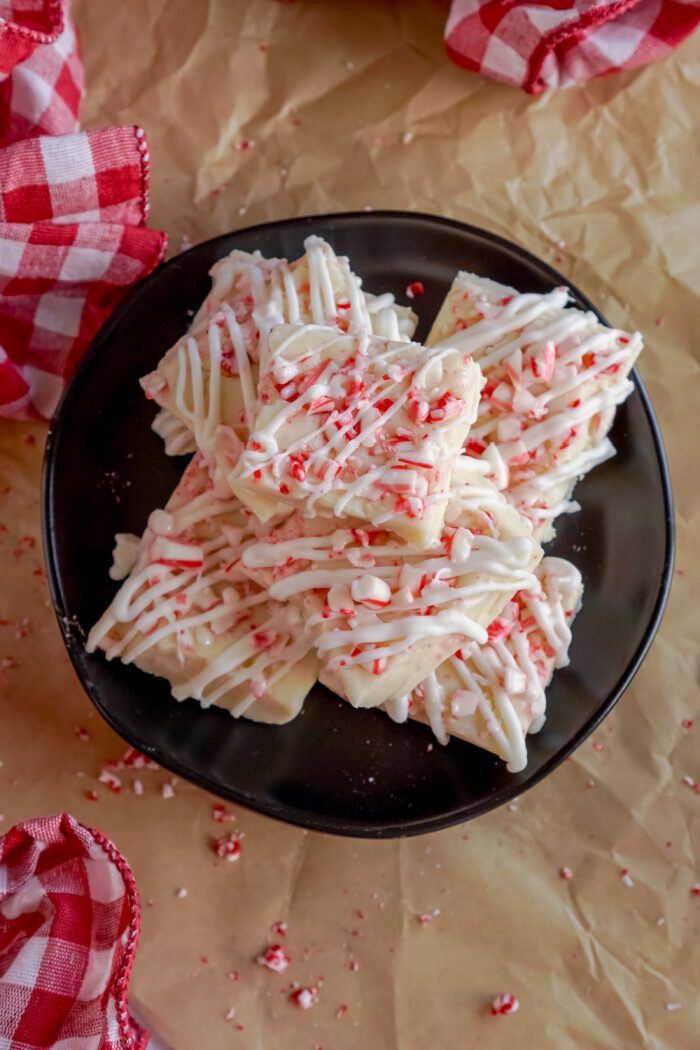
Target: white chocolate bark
(355, 426)
(554, 377)
(493, 695)
(209, 377)
(384, 614)
(187, 613)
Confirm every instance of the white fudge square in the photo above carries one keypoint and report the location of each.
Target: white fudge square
(553, 379)
(187, 613)
(385, 614)
(493, 694)
(353, 425)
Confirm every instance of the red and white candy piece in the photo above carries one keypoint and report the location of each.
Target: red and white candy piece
(371, 591)
(304, 998)
(275, 958)
(176, 555)
(228, 846)
(504, 1004)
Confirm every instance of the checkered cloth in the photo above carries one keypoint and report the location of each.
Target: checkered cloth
(72, 241)
(558, 43)
(73, 207)
(41, 75)
(69, 924)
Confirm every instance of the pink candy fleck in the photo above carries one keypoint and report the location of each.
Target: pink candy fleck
(304, 998)
(275, 958)
(228, 846)
(415, 288)
(566, 874)
(111, 780)
(220, 815)
(503, 1005)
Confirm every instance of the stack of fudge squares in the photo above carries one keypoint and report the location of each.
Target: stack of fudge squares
(363, 510)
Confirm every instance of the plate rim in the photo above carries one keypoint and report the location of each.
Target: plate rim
(75, 646)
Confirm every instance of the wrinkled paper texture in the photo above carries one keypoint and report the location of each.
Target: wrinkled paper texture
(346, 106)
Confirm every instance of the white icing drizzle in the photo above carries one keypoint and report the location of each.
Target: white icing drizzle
(553, 379)
(357, 425)
(186, 591)
(176, 435)
(494, 693)
(250, 297)
(369, 597)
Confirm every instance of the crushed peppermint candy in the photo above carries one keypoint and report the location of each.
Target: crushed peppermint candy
(695, 890)
(280, 928)
(341, 1011)
(220, 815)
(231, 1014)
(82, 734)
(137, 787)
(167, 791)
(692, 783)
(427, 916)
(132, 759)
(111, 780)
(304, 998)
(275, 958)
(181, 893)
(687, 723)
(228, 846)
(673, 1006)
(566, 874)
(626, 878)
(414, 288)
(503, 1005)
(597, 746)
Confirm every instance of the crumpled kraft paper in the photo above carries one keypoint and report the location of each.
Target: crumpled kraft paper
(263, 110)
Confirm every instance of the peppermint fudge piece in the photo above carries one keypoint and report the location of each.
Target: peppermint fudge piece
(186, 612)
(493, 694)
(554, 377)
(384, 614)
(355, 426)
(209, 377)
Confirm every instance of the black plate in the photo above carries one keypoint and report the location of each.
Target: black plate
(336, 769)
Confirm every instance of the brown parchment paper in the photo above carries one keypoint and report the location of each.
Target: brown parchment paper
(350, 105)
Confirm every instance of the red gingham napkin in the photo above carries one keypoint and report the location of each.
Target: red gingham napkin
(72, 241)
(69, 924)
(73, 207)
(39, 48)
(558, 43)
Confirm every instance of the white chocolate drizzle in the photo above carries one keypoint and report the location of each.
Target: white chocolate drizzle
(358, 426)
(494, 694)
(554, 377)
(250, 297)
(369, 597)
(186, 592)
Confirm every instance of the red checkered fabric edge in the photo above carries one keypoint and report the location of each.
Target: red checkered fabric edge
(69, 925)
(559, 43)
(41, 74)
(73, 240)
